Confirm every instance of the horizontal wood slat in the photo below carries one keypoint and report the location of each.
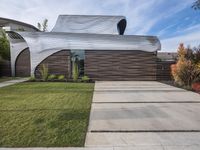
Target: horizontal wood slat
(23, 64)
(164, 70)
(120, 65)
(58, 64)
(5, 68)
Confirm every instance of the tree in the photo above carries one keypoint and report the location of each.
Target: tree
(39, 26)
(43, 26)
(187, 70)
(196, 5)
(197, 55)
(4, 46)
(181, 52)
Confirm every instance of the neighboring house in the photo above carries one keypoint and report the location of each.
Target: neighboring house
(165, 60)
(13, 25)
(96, 43)
(167, 56)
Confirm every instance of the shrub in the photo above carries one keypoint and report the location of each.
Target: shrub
(193, 54)
(85, 79)
(185, 73)
(4, 45)
(181, 52)
(75, 72)
(174, 72)
(196, 54)
(32, 78)
(196, 87)
(51, 77)
(44, 71)
(197, 70)
(61, 77)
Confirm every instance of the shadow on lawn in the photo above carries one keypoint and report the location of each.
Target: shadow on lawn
(65, 115)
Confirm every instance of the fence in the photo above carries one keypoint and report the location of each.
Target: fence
(164, 70)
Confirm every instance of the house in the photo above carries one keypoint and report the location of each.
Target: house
(167, 56)
(96, 43)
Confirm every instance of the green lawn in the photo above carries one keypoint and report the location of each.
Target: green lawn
(2, 79)
(44, 114)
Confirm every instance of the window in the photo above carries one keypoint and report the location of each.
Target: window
(78, 56)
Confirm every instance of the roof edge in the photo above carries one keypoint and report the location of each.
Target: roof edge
(20, 23)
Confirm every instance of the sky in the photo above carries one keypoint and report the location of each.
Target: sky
(173, 21)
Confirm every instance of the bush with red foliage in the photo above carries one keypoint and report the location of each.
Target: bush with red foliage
(196, 87)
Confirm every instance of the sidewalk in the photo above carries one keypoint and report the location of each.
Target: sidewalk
(11, 82)
(142, 147)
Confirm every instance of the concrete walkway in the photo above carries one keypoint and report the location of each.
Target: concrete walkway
(144, 115)
(11, 82)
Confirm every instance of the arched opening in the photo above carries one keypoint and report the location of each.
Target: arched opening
(121, 26)
(23, 64)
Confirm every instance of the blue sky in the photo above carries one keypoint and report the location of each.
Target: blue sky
(173, 21)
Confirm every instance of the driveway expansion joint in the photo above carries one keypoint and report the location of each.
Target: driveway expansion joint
(143, 113)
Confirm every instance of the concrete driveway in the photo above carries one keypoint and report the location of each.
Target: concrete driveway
(141, 114)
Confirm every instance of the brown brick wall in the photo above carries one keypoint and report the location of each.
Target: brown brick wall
(22, 64)
(58, 64)
(120, 65)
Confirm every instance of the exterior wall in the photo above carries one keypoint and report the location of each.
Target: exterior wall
(164, 70)
(120, 65)
(99, 65)
(5, 68)
(22, 64)
(58, 64)
(16, 47)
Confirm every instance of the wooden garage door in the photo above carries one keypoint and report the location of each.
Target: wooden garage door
(120, 65)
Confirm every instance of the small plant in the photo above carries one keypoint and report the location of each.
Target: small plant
(85, 79)
(75, 73)
(51, 77)
(32, 78)
(61, 77)
(44, 71)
